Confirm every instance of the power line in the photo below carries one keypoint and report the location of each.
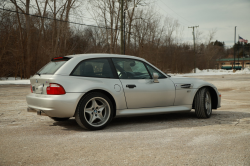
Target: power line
(80, 17)
(70, 15)
(58, 19)
(72, 22)
(171, 15)
(175, 12)
(33, 6)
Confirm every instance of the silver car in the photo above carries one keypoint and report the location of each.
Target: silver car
(95, 88)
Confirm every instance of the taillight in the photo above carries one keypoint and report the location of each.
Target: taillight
(55, 89)
(31, 88)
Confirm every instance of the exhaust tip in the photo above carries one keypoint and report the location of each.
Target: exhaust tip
(40, 112)
(30, 110)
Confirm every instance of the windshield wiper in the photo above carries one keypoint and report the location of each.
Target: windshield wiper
(38, 73)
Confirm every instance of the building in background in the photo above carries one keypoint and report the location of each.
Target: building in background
(227, 63)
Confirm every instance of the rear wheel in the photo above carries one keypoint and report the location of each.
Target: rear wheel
(94, 112)
(203, 103)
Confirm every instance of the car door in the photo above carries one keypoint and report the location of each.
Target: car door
(139, 88)
(98, 73)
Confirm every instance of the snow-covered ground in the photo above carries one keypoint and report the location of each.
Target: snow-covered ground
(12, 80)
(213, 72)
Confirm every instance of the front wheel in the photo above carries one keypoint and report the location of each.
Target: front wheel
(94, 112)
(203, 103)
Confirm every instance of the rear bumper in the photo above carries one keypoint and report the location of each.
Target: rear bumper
(39, 112)
(60, 106)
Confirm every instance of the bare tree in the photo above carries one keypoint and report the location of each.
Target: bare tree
(210, 51)
(107, 13)
(27, 43)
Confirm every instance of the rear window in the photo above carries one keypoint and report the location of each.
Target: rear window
(51, 67)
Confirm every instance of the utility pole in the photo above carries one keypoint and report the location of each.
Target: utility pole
(124, 27)
(238, 54)
(194, 47)
(234, 45)
(121, 26)
(243, 57)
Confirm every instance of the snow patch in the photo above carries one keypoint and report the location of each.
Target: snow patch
(213, 72)
(12, 80)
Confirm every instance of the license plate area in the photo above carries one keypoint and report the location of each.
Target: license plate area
(38, 88)
(33, 89)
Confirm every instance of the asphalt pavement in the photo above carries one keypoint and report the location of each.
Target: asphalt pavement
(169, 139)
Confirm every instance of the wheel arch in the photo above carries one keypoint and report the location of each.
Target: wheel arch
(213, 94)
(101, 91)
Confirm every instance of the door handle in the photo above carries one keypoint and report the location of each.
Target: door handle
(130, 86)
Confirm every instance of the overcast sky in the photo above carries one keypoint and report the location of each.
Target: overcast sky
(223, 15)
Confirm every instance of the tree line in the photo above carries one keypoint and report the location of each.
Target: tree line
(27, 42)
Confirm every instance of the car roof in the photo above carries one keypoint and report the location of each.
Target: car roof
(76, 59)
(103, 55)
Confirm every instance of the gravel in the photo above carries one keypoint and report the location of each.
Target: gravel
(169, 139)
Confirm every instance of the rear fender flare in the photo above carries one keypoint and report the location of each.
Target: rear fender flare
(111, 97)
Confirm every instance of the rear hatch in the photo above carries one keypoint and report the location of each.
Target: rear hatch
(41, 80)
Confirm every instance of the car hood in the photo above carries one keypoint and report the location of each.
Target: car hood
(195, 82)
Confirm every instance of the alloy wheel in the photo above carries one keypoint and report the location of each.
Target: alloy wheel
(97, 111)
(208, 103)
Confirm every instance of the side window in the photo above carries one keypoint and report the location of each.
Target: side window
(94, 68)
(152, 70)
(130, 69)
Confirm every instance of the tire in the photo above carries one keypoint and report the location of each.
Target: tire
(203, 103)
(59, 119)
(94, 112)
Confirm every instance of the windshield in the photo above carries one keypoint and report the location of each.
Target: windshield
(51, 67)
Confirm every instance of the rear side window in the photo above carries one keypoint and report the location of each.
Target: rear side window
(94, 68)
(51, 67)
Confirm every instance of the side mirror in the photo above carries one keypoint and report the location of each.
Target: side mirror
(155, 77)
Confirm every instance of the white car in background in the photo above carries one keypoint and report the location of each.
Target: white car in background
(95, 88)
